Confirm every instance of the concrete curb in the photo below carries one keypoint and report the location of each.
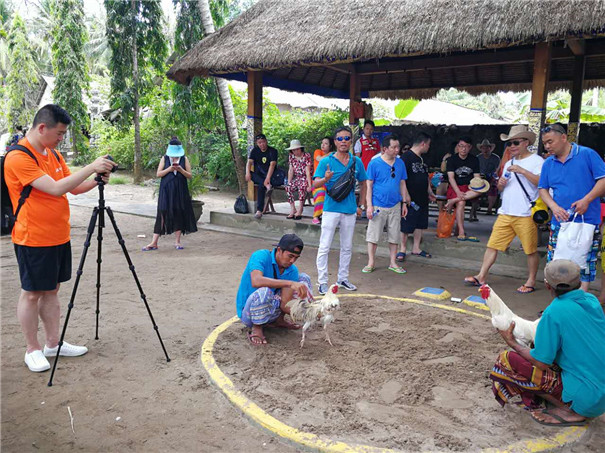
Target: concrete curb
(312, 442)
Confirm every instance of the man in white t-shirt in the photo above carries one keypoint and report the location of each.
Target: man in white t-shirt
(519, 188)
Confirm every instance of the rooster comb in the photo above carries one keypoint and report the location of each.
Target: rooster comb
(335, 289)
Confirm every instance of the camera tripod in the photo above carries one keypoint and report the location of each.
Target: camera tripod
(99, 213)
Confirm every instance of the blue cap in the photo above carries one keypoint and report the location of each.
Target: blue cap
(175, 151)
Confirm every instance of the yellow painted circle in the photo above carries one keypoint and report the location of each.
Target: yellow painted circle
(313, 442)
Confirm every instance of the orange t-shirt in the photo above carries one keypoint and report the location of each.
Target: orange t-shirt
(44, 219)
(316, 154)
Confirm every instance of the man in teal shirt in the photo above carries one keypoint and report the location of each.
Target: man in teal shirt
(570, 336)
(268, 283)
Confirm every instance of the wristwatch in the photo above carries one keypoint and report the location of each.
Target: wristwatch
(362, 207)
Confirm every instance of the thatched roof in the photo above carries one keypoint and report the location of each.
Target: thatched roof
(279, 35)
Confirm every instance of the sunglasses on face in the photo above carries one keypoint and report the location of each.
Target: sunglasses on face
(514, 142)
(343, 139)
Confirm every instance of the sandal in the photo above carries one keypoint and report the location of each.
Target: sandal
(400, 256)
(397, 269)
(297, 217)
(291, 216)
(423, 254)
(561, 421)
(149, 248)
(473, 281)
(368, 269)
(524, 289)
(468, 238)
(253, 342)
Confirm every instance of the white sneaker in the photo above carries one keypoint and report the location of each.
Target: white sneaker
(36, 361)
(67, 350)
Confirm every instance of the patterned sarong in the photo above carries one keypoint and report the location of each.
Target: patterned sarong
(262, 306)
(513, 375)
(319, 196)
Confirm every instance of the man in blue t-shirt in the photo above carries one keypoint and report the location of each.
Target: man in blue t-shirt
(268, 283)
(386, 189)
(338, 213)
(570, 335)
(576, 176)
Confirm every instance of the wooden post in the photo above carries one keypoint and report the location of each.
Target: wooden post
(575, 109)
(255, 116)
(539, 89)
(354, 96)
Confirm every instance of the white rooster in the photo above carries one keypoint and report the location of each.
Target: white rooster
(524, 331)
(311, 313)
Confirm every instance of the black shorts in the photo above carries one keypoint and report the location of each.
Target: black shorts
(43, 268)
(415, 220)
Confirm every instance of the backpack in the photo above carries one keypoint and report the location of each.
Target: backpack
(8, 214)
(241, 205)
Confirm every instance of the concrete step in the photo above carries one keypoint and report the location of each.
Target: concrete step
(446, 252)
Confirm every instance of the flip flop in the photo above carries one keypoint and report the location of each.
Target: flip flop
(297, 217)
(473, 282)
(400, 257)
(148, 248)
(179, 247)
(368, 269)
(397, 269)
(562, 421)
(524, 289)
(263, 340)
(291, 216)
(468, 238)
(423, 254)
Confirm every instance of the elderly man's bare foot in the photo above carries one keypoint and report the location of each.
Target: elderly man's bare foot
(558, 416)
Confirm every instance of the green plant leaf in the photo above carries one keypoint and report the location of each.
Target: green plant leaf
(405, 107)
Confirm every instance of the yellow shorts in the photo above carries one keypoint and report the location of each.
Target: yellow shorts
(603, 253)
(507, 227)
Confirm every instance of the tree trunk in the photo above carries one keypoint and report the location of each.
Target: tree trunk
(226, 104)
(138, 173)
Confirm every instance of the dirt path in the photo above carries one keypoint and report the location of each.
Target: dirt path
(171, 406)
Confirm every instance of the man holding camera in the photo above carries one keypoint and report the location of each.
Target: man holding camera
(42, 232)
(264, 159)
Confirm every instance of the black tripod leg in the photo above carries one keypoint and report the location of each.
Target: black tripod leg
(91, 229)
(134, 274)
(99, 261)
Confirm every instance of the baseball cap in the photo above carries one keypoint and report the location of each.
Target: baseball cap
(562, 274)
(291, 243)
(259, 136)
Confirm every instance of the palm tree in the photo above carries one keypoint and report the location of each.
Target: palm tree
(226, 103)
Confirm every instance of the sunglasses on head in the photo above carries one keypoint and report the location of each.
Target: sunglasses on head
(343, 139)
(515, 142)
(553, 128)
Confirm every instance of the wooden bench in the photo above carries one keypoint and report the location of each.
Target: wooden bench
(270, 209)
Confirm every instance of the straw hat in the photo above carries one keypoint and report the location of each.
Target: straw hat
(479, 185)
(294, 144)
(519, 131)
(486, 142)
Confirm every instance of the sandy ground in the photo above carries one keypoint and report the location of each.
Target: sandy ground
(397, 376)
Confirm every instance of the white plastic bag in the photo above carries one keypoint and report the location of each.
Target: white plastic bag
(574, 242)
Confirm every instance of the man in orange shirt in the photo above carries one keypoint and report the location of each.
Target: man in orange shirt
(41, 231)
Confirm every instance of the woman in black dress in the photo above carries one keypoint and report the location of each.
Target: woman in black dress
(175, 212)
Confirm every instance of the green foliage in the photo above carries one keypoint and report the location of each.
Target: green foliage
(140, 26)
(22, 78)
(118, 180)
(69, 65)
(405, 107)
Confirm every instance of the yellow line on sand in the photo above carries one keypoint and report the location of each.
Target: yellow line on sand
(315, 443)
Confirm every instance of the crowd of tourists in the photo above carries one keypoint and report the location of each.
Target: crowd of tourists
(563, 368)
(394, 190)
